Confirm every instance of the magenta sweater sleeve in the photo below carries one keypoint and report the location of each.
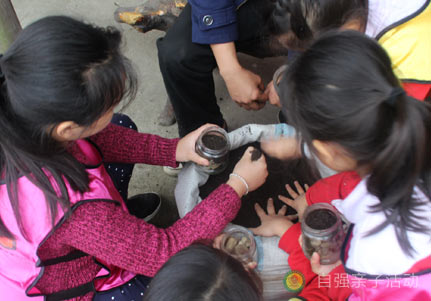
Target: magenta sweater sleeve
(119, 144)
(105, 231)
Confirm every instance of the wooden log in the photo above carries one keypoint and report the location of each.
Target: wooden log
(152, 14)
(9, 25)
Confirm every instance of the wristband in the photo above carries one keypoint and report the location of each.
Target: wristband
(242, 180)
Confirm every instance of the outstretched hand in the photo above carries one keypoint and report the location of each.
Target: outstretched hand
(272, 223)
(298, 200)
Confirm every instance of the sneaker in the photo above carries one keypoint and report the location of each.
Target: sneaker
(172, 171)
(145, 205)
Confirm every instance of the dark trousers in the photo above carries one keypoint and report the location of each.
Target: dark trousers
(187, 67)
(121, 173)
(130, 291)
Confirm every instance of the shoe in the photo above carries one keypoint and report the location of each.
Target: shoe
(167, 115)
(172, 171)
(145, 205)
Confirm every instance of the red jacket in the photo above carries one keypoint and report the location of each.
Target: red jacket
(335, 286)
(317, 288)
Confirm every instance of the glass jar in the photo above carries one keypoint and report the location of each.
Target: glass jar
(239, 243)
(213, 144)
(322, 232)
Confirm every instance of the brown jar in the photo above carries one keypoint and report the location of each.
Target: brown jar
(213, 144)
(322, 232)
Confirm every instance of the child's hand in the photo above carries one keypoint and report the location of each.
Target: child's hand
(274, 99)
(186, 147)
(322, 269)
(298, 201)
(316, 267)
(282, 148)
(217, 241)
(254, 173)
(272, 223)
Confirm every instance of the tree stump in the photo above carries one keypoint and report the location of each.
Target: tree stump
(9, 25)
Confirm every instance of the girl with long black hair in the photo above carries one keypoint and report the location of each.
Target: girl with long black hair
(65, 231)
(349, 108)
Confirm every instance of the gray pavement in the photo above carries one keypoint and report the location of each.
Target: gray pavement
(141, 50)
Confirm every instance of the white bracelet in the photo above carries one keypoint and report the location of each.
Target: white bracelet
(242, 180)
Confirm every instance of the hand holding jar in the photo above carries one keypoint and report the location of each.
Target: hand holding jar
(186, 147)
(322, 233)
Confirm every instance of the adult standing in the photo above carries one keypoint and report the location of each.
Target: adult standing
(208, 34)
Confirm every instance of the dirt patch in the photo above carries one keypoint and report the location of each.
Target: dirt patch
(280, 173)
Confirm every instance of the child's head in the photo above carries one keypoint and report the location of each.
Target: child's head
(299, 22)
(57, 70)
(200, 272)
(60, 69)
(347, 104)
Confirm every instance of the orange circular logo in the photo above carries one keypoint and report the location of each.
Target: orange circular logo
(294, 281)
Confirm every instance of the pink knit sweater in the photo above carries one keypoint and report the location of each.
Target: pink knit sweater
(106, 233)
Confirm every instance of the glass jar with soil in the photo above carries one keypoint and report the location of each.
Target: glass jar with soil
(239, 243)
(322, 232)
(213, 144)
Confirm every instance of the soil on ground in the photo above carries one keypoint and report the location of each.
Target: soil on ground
(280, 173)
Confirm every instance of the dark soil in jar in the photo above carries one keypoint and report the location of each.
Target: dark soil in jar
(328, 246)
(280, 173)
(214, 142)
(321, 219)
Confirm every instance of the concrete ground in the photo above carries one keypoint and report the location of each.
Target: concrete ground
(141, 49)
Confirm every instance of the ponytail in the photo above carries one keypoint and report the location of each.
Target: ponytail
(401, 166)
(361, 107)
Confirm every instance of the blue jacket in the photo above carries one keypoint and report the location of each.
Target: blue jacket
(214, 21)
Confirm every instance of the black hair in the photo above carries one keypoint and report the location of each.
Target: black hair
(299, 22)
(199, 272)
(58, 69)
(343, 90)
